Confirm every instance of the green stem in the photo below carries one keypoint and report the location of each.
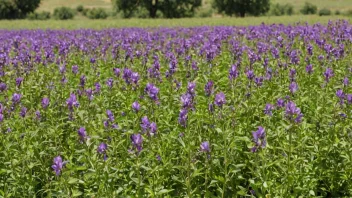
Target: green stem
(139, 177)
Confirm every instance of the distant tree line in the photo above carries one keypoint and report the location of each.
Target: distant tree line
(17, 9)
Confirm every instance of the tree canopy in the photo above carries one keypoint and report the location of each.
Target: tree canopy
(13, 9)
(168, 8)
(242, 7)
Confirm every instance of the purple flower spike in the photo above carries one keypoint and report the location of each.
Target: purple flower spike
(309, 69)
(110, 82)
(135, 106)
(191, 88)
(74, 69)
(23, 112)
(182, 118)
(117, 72)
(45, 102)
(145, 123)
(58, 164)
(268, 109)
(102, 148)
(16, 98)
(280, 103)
(110, 115)
(72, 102)
(293, 113)
(137, 141)
(220, 99)
(82, 134)
(346, 82)
(204, 147)
(259, 139)
(293, 87)
(209, 88)
(19, 81)
(3, 87)
(328, 74)
(152, 91)
(153, 128)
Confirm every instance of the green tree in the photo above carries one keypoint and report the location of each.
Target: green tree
(242, 7)
(13, 9)
(169, 8)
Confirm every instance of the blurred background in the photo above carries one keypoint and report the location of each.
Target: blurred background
(196, 12)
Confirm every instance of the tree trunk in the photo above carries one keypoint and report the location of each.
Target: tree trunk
(153, 8)
(242, 13)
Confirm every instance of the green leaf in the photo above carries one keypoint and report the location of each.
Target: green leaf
(72, 180)
(76, 193)
(164, 191)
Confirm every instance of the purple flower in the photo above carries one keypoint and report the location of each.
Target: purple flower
(220, 99)
(182, 118)
(82, 134)
(152, 91)
(117, 72)
(268, 109)
(45, 102)
(187, 100)
(3, 87)
(72, 102)
(37, 115)
(233, 72)
(110, 82)
(127, 73)
(23, 112)
(110, 115)
(158, 158)
(82, 81)
(102, 148)
(209, 88)
(345, 81)
(293, 112)
(135, 78)
(137, 141)
(191, 88)
(75, 69)
(1, 117)
(204, 147)
(293, 73)
(328, 74)
(92, 60)
(153, 128)
(280, 103)
(145, 123)
(97, 87)
(211, 108)
(259, 81)
(16, 98)
(89, 93)
(293, 87)
(135, 106)
(250, 74)
(259, 139)
(309, 69)
(349, 98)
(58, 164)
(340, 94)
(19, 81)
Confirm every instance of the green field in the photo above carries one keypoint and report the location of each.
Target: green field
(118, 23)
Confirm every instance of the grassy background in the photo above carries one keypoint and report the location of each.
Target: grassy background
(116, 23)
